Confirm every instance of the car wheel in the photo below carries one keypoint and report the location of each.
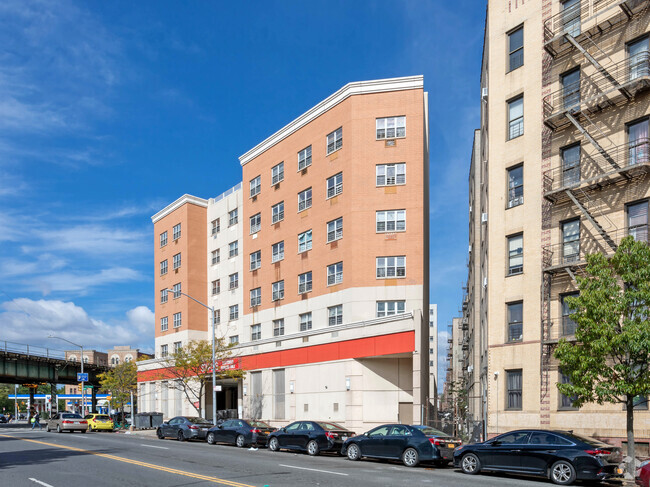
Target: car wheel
(160, 435)
(470, 464)
(180, 436)
(312, 448)
(563, 473)
(47, 428)
(83, 431)
(58, 428)
(274, 444)
(354, 453)
(410, 457)
(210, 439)
(240, 441)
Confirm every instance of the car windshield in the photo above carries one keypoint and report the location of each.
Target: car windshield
(259, 424)
(585, 439)
(101, 416)
(197, 420)
(429, 431)
(71, 416)
(330, 426)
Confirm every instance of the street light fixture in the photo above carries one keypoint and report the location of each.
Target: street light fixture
(214, 376)
(83, 399)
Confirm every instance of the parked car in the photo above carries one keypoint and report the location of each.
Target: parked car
(99, 422)
(642, 477)
(561, 456)
(3, 419)
(184, 428)
(66, 422)
(310, 436)
(444, 445)
(240, 432)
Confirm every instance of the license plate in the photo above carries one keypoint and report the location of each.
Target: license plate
(451, 445)
(205, 429)
(344, 438)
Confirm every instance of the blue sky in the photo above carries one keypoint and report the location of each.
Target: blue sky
(111, 110)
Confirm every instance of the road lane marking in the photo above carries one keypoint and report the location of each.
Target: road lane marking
(153, 446)
(40, 483)
(314, 470)
(153, 466)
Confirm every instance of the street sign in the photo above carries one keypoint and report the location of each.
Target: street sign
(217, 388)
(82, 377)
(88, 387)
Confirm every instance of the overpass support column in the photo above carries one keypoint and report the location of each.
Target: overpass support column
(32, 406)
(93, 404)
(54, 401)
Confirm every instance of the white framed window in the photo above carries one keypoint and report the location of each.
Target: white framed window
(335, 273)
(277, 290)
(304, 241)
(256, 223)
(234, 340)
(304, 283)
(163, 267)
(163, 295)
(216, 287)
(255, 260)
(177, 231)
(335, 230)
(335, 315)
(278, 327)
(164, 350)
(305, 321)
(516, 117)
(178, 346)
(177, 290)
(516, 48)
(391, 128)
(277, 173)
(233, 312)
(164, 323)
(178, 320)
(233, 249)
(233, 217)
(255, 186)
(304, 199)
(234, 280)
(256, 297)
(304, 158)
(334, 140)
(216, 226)
(391, 221)
(216, 257)
(516, 254)
(163, 238)
(277, 252)
(277, 212)
(391, 174)
(335, 185)
(256, 332)
(390, 308)
(388, 267)
(177, 260)
(516, 185)
(217, 316)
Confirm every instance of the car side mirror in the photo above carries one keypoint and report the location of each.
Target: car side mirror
(220, 426)
(365, 434)
(284, 430)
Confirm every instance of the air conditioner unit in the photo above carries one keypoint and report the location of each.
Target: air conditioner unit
(485, 282)
(470, 208)
(484, 93)
(470, 249)
(470, 369)
(483, 217)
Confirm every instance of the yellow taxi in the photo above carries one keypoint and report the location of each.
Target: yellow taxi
(99, 422)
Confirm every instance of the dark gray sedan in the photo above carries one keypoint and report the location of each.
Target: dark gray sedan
(184, 428)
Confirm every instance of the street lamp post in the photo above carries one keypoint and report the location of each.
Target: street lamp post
(83, 401)
(214, 375)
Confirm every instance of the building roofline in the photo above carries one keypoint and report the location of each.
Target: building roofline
(354, 88)
(186, 198)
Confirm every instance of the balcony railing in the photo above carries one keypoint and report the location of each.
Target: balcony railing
(31, 351)
(565, 327)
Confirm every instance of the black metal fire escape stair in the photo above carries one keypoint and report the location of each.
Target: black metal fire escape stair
(592, 220)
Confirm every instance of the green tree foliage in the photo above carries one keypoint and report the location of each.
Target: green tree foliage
(609, 360)
(120, 382)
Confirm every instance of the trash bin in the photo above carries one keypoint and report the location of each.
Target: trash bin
(142, 421)
(156, 419)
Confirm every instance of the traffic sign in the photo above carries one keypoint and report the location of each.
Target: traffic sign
(82, 377)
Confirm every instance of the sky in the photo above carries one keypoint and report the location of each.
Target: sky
(109, 111)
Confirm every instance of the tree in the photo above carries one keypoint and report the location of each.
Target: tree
(190, 367)
(609, 360)
(120, 382)
(459, 398)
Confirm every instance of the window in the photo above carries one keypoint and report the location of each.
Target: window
(304, 158)
(256, 332)
(277, 212)
(388, 267)
(570, 89)
(515, 254)
(277, 252)
(304, 241)
(233, 312)
(571, 241)
(305, 321)
(216, 257)
(256, 297)
(516, 48)
(163, 267)
(277, 173)
(566, 402)
(334, 140)
(335, 230)
(335, 315)
(515, 321)
(177, 320)
(391, 174)
(216, 287)
(163, 295)
(570, 165)
(233, 217)
(304, 283)
(568, 325)
(234, 340)
(304, 199)
(335, 273)
(177, 231)
(163, 239)
(335, 185)
(571, 17)
(637, 221)
(637, 136)
(256, 223)
(163, 351)
(216, 227)
(164, 322)
(637, 53)
(390, 308)
(178, 346)
(177, 261)
(255, 186)
(278, 291)
(391, 127)
(278, 327)
(217, 316)
(516, 186)
(515, 118)
(233, 249)
(234, 280)
(256, 260)
(391, 221)
(513, 384)
(177, 290)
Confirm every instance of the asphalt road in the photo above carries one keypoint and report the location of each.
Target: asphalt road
(36, 458)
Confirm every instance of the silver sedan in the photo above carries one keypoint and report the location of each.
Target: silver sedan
(66, 422)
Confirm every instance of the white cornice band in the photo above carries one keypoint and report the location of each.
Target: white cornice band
(186, 198)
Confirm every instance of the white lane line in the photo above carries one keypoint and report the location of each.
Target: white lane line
(40, 483)
(152, 446)
(314, 470)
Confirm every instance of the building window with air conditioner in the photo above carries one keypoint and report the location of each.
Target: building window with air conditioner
(391, 174)
(277, 173)
(304, 283)
(516, 186)
(277, 212)
(391, 128)
(334, 140)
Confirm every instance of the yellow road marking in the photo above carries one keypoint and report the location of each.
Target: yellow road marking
(138, 463)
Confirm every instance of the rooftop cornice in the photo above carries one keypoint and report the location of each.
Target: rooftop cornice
(186, 198)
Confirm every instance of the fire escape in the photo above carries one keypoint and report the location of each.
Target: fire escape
(596, 163)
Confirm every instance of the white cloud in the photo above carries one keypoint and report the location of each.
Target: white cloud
(81, 282)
